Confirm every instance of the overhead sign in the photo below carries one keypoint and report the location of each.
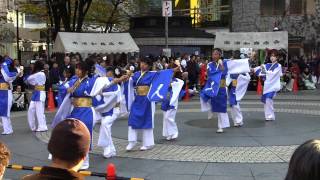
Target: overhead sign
(255, 40)
(167, 8)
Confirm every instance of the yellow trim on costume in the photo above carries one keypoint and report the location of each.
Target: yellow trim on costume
(39, 88)
(234, 83)
(4, 86)
(142, 90)
(223, 83)
(82, 102)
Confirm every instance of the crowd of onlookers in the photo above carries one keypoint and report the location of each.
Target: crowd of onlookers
(306, 72)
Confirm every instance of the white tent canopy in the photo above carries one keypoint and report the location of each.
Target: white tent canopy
(86, 43)
(255, 40)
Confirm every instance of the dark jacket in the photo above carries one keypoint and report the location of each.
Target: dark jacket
(52, 173)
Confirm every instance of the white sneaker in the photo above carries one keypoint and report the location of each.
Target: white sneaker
(7, 133)
(175, 136)
(130, 146)
(220, 130)
(144, 148)
(238, 124)
(110, 155)
(269, 119)
(168, 138)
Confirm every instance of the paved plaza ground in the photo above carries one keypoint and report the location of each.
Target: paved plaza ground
(257, 151)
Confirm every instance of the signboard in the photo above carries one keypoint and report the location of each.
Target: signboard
(167, 8)
(246, 51)
(166, 52)
(255, 40)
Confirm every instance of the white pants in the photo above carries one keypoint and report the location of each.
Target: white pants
(236, 114)
(105, 138)
(147, 136)
(269, 110)
(7, 127)
(223, 120)
(36, 109)
(169, 125)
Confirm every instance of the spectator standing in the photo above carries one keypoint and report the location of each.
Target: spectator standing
(203, 73)
(66, 64)
(68, 154)
(18, 100)
(54, 79)
(193, 72)
(19, 79)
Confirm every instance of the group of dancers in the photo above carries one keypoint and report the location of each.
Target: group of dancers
(91, 96)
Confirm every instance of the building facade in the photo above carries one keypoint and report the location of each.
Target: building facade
(301, 18)
(149, 34)
(29, 39)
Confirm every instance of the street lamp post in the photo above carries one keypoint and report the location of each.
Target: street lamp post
(17, 36)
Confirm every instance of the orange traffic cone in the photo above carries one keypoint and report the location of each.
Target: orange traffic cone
(295, 87)
(259, 87)
(51, 106)
(187, 96)
(111, 172)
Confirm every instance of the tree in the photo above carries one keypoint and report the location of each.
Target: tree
(101, 13)
(129, 7)
(113, 15)
(67, 15)
(78, 15)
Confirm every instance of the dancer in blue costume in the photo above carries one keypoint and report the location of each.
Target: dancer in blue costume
(7, 76)
(238, 88)
(170, 106)
(217, 71)
(142, 109)
(37, 104)
(69, 78)
(271, 74)
(110, 97)
(81, 93)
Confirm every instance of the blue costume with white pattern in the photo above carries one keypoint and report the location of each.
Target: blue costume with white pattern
(219, 102)
(6, 76)
(269, 67)
(141, 115)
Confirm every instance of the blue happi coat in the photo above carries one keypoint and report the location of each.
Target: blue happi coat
(63, 89)
(218, 102)
(269, 67)
(37, 79)
(141, 113)
(165, 105)
(84, 114)
(6, 76)
(98, 101)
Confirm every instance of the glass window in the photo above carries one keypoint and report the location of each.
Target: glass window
(272, 7)
(296, 6)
